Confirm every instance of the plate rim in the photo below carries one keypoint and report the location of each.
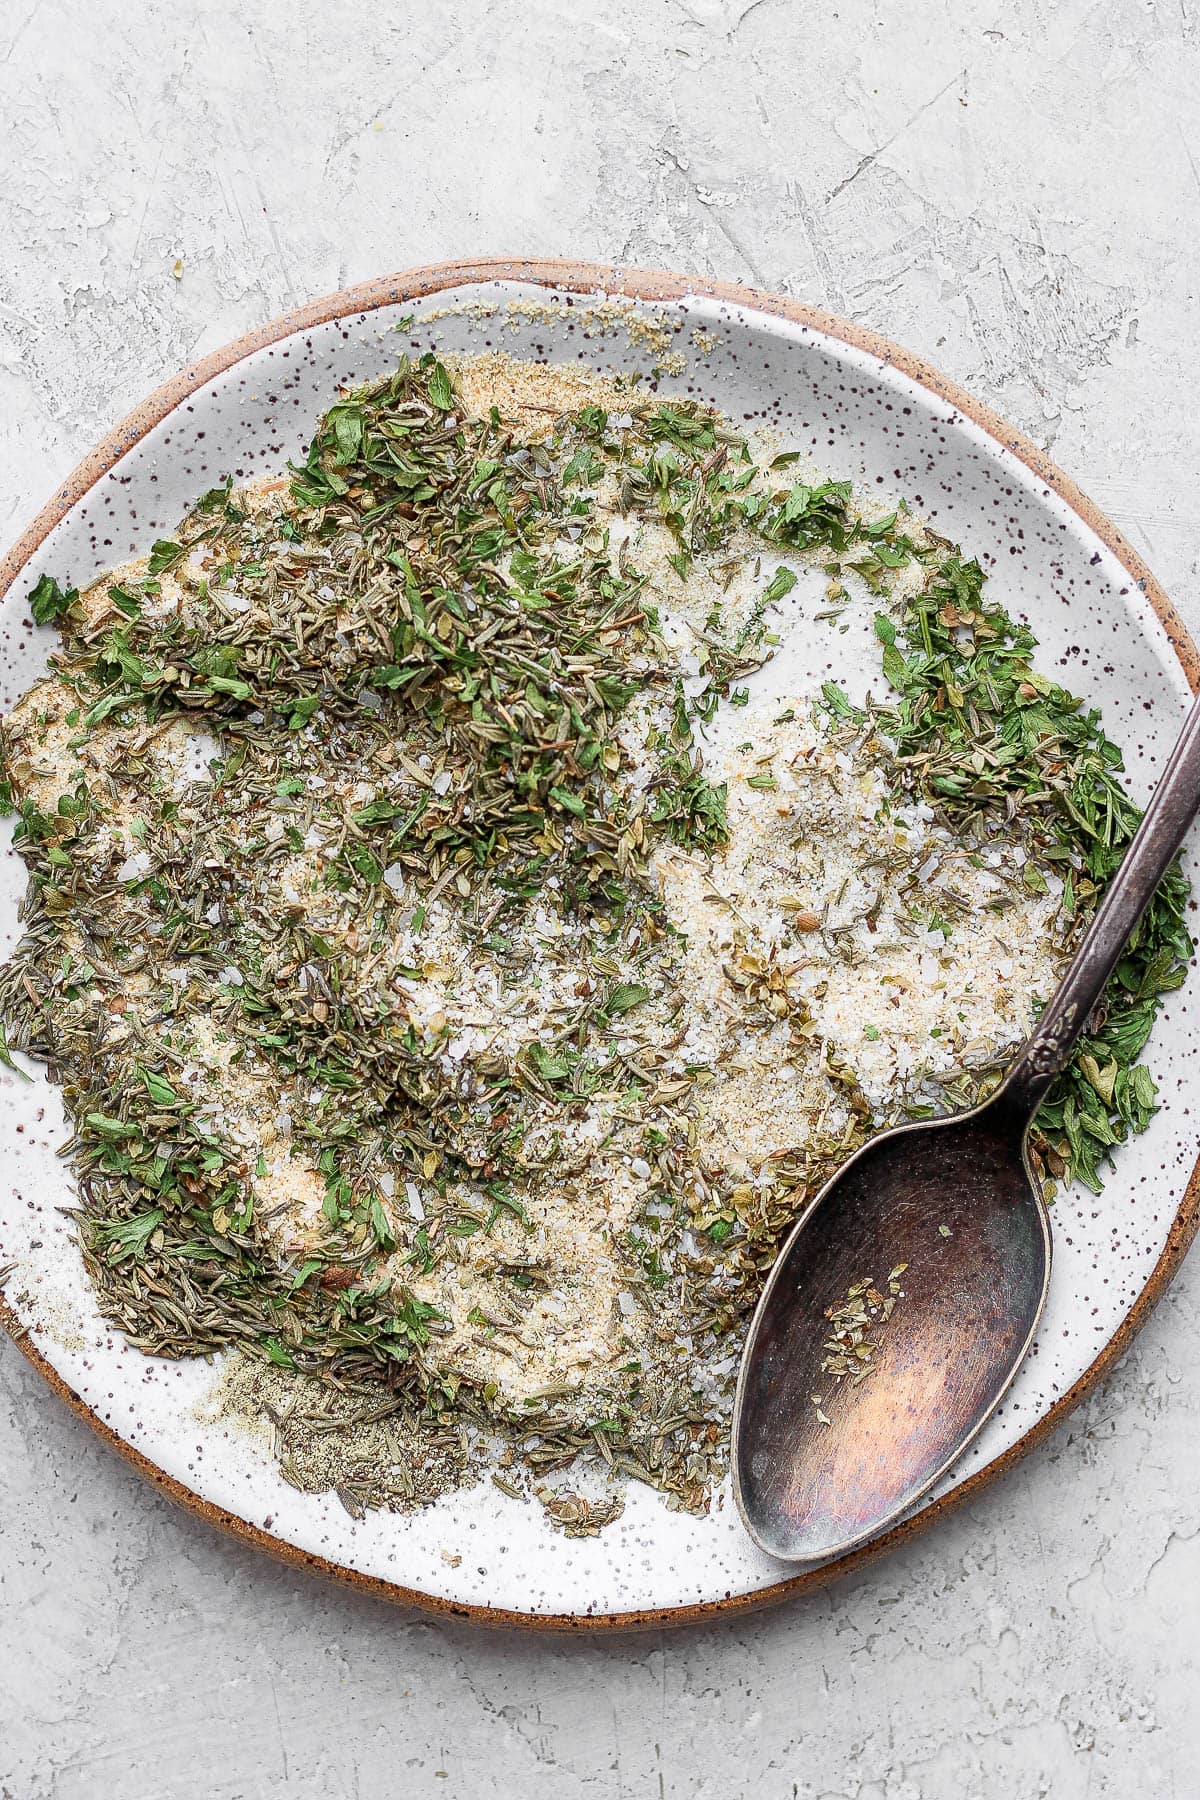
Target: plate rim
(647, 286)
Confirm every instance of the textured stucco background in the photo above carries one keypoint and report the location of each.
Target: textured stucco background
(1012, 191)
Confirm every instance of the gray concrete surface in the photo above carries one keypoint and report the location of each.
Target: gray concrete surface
(1011, 190)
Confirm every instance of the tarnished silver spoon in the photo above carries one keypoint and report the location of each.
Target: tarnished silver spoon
(822, 1463)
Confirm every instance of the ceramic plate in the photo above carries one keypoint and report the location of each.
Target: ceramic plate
(865, 411)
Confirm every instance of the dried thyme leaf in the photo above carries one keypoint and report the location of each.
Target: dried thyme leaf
(48, 601)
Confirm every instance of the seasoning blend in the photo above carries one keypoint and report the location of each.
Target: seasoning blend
(462, 952)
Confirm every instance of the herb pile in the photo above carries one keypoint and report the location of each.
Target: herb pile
(419, 708)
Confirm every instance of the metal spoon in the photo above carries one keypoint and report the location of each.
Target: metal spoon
(821, 1464)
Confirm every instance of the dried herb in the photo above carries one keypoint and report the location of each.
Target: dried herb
(47, 600)
(850, 1348)
(979, 730)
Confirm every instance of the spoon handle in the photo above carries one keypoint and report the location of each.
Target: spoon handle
(1153, 848)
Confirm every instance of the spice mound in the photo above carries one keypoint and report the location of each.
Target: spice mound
(465, 933)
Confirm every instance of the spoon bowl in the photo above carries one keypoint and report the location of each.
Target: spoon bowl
(822, 1461)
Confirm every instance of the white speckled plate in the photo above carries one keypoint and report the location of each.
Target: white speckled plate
(866, 411)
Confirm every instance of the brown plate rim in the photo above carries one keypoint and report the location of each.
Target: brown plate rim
(645, 285)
